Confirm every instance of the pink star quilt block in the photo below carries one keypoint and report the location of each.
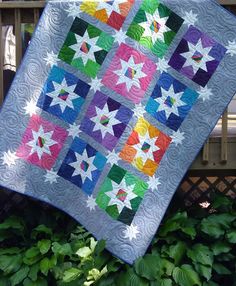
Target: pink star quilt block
(197, 56)
(129, 73)
(105, 120)
(41, 142)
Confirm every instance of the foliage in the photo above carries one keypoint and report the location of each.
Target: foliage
(41, 247)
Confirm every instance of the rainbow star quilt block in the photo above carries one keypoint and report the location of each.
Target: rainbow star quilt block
(63, 95)
(106, 120)
(197, 56)
(82, 165)
(145, 147)
(85, 47)
(113, 13)
(155, 26)
(171, 101)
(41, 142)
(121, 194)
(129, 73)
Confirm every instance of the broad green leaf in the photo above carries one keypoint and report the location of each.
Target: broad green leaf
(61, 249)
(19, 276)
(173, 224)
(220, 247)
(39, 282)
(44, 245)
(10, 263)
(45, 266)
(201, 254)
(71, 274)
(10, 250)
(167, 266)
(32, 252)
(4, 281)
(186, 276)
(12, 222)
(221, 269)
(100, 246)
(147, 266)
(130, 278)
(41, 229)
(33, 273)
(210, 283)
(177, 251)
(231, 236)
(203, 270)
(162, 282)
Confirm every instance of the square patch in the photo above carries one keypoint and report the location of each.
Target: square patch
(130, 73)
(171, 101)
(145, 147)
(105, 120)
(121, 194)
(82, 165)
(197, 56)
(41, 142)
(113, 13)
(63, 95)
(155, 26)
(85, 47)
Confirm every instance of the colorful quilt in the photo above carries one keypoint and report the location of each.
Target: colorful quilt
(112, 103)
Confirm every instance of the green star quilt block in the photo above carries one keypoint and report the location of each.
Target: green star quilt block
(121, 194)
(155, 26)
(85, 47)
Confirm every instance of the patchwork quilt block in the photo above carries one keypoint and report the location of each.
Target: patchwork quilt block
(155, 26)
(121, 194)
(82, 165)
(130, 73)
(41, 143)
(85, 47)
(145, 147)
(197, 56)
(171, 101)
(105, 120)
(113, 13)
(63, 95)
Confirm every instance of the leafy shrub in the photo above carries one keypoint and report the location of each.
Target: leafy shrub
(40, 247)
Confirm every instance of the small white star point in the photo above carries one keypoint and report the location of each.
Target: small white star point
(139, 110)
(73, 131)
(51, 59)
(51, 177)
(190, 18)
(120, 37)
(91, 203)
(131, 232)
(177, 137)
(113, 158)
(205, 93)
(162, 65)
(153, 183)
(9, 158)
(96, 84)
(73, 10)
(31, 108)
(231, 48)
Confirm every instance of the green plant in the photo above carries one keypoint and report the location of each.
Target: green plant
(194, 247)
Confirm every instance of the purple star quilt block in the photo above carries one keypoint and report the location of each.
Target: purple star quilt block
(197, 56)
(63, 95)
(82, 165)
(105, 120)
(171, 101)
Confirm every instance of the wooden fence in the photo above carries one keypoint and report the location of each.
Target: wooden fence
(218, 153)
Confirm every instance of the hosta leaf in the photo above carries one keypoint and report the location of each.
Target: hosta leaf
(221, 269)
(147, 266)
(33, 273)
(19, 276)
(71, 274)
(130, 278)
(231, 236)
(177, 251)
(203, 270)
(10, 263)
(173, 223)
(41, 229)
(220, 247)
(201, 254)
(186, 276)
(62, 249)
(44, 245)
